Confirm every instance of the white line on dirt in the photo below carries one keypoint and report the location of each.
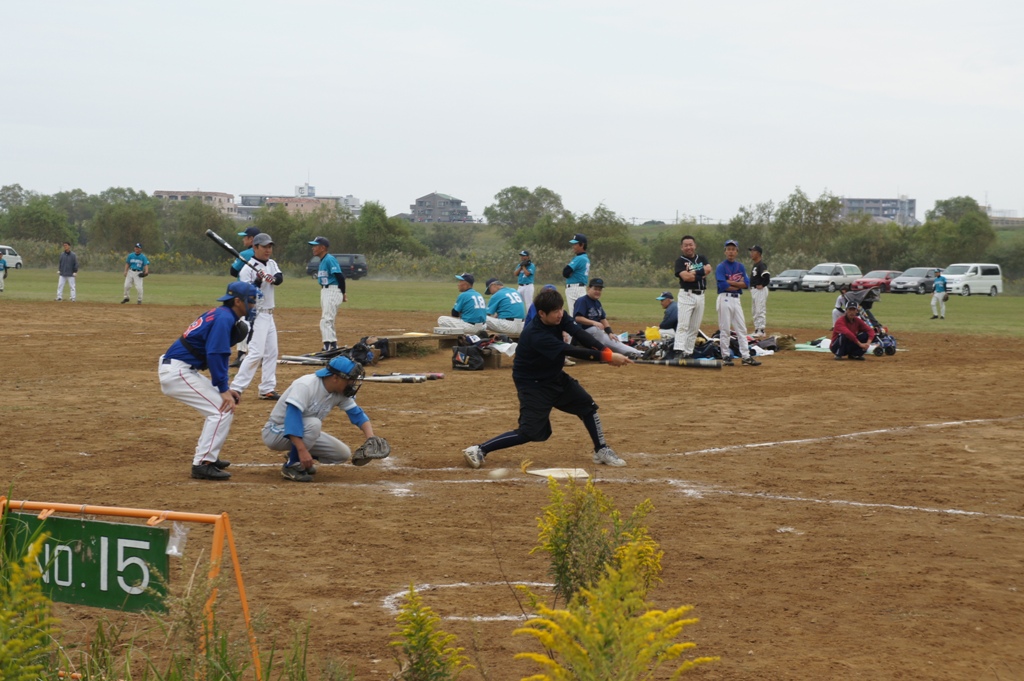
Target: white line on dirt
(390, 603)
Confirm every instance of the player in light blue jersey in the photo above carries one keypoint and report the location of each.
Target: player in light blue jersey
(236, 269)
(469, 313)
(136, 268)
(526, 273)
(332, 291)
(505, 311)
(577, 272)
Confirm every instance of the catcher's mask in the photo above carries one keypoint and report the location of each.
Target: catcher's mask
(247, 293)
(346, 368)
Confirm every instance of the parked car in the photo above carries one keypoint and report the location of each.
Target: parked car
(875, 278)
(974, 277)
(917, 280)
(11, 256)
(353, 265)
(829, 276)
(788, 280)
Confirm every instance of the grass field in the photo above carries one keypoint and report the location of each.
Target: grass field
(1003, 315)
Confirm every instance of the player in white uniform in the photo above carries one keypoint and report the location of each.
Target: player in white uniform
(526, 273)
(332, 291)
(263, 341)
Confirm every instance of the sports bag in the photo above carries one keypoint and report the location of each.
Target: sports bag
(467, 358)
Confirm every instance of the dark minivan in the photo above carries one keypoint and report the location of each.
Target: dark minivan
(353, 265)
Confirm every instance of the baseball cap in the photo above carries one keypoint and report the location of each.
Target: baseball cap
(341, 366)
(665, 295)
(490, 281)
(852, 305)
(526, 253)
(466, 277)
(732, 242)
(756, 248)
(596, 283)
(320, 241)
(262, 239)
(240, 289)
(138, 245)
(250, 231)
(578, 239)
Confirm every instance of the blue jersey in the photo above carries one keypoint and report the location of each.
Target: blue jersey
(671, 318)
(137, 263)
(471, 307)
(525, 279)
(3, 265)
(329, 272)
(730, 271)
(940, 284)
(210, 337)
(239, 263)
(580, 266)
(588, 308)
(506, 303)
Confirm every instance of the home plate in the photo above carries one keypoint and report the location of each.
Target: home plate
(560, 473)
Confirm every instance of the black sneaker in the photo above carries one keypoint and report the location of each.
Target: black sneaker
(295, 473)
(238, 361)
(272, 395)
(858, 358)
(751, 362)
(209, 471)
(220, 464)
(727, 363)
(934, 316)
(126, 300)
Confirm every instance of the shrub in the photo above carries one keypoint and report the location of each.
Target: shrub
(427, 651)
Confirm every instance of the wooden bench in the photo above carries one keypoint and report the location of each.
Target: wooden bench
(433, 342)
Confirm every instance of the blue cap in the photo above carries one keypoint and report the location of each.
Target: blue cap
(466, 277)
(138, 245)
(665, 295)
(240, 289)
(320, 241)
(524, 253)
(578, 239)
(251, 231)
(732, 242)
(339, 366)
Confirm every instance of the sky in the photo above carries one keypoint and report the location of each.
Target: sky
(655, 109)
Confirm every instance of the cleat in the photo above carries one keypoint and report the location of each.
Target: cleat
(474, 456)
(220, 464)
(238, 361)
(607, 456)
(751, 362)
(208, 471)
(727, 362)
(124, 301)
(295, 473)
(272, 395)
(934, 316)
(858, 358)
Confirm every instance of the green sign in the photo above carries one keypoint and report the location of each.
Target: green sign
(101, 564)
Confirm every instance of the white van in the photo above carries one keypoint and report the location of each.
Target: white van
(966, 278)
(11, 256)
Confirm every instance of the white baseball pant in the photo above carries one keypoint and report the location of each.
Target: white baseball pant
(759, 307)
(61, 281)
(2, 279)
(938, 304)
(133, 279)
(455, 325)
(572, 294)
(497, 325)
(180, 381)
(691, 313)
(330, 298)
(526, 293)
(262, 353)
(613, 343)
(730, 319)
(322, 447)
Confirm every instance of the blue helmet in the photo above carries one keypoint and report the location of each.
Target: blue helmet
(346, 368)
(239, 289)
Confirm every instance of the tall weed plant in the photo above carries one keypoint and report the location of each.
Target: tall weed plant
(427, 652)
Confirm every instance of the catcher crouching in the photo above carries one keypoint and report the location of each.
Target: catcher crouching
(296, 422)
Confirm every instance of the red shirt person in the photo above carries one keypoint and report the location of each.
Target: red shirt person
(851, 335)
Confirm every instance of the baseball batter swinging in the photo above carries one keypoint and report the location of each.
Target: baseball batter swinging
(332, 291)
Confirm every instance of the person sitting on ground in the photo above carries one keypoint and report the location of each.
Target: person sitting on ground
(505, 311)
(589, 314)
(470, 312)
(851, 335)
(667, 328)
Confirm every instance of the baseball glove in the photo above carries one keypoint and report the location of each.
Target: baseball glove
(374, 448)
(143, 274)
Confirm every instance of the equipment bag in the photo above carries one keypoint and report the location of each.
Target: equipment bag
(467, 358)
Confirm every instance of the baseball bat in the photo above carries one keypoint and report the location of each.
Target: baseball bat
(695, 363)
(251, 262)
(394, 379)
(430, 376)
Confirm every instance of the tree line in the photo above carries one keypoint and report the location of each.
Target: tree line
(797, 232)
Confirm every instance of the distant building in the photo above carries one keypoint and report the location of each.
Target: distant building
(902, 211)
(304, 201)
(439, 208)
(1004, 219)
(299, 205)
(219, 200)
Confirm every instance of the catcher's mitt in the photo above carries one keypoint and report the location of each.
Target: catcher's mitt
(374, 448)
(143, 274)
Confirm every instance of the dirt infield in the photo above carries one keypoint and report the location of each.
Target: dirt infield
(829, 520)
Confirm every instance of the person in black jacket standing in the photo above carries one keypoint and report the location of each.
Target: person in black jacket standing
(67, 271)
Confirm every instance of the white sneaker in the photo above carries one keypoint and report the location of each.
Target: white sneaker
(608, 457)
(474, 456)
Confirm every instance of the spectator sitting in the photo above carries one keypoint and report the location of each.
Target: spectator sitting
(589, 313)
(505, 310)
(667, 328)
(470, 311)
(851, 335)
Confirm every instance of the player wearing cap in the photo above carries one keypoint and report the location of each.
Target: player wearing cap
(263, 339)
(692, 270)
(505, 310)
(332, 291)
(136, 267)
(296, 421)
(525, 273)
(759, 280)
(732, 279)
(236, 267)
(206, 344)
(470, 311)
(670, 320)
(577, 272)
(542, 385)
(851, 335)
(3, 272)
(590, 314)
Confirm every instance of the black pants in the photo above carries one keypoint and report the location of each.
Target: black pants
(844, 347)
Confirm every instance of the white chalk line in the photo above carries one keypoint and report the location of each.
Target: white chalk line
(843, 436)
(390, 603)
